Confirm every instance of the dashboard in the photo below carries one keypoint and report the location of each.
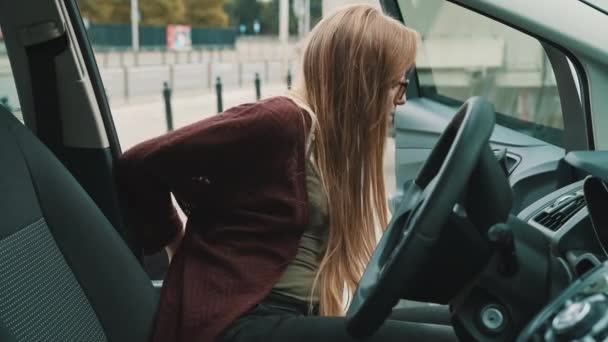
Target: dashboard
(563, 216)
(574, 219)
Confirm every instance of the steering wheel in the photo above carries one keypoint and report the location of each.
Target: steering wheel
(410, 239)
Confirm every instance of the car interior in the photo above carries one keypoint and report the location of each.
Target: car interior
(499, 211)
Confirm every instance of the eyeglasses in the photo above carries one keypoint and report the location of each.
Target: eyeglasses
(403, 84)
(402, 88)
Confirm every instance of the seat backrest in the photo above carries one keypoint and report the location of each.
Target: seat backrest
(65, 273)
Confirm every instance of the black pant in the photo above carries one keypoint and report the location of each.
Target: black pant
(272, 321)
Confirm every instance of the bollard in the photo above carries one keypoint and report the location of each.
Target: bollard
(218, 90)
(258, 92)
(289, 79)
(168, 109)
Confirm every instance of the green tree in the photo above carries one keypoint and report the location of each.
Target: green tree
(106, 11)
(269, 18)
(244, 12)
(162, 12)
(270, 13)
(121, 13)
(97, 11)
(158, 12)
(206, 13)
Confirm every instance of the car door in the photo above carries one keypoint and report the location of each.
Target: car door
(531, 82)
(59, 96)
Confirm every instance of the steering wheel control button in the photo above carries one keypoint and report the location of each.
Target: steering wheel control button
(579, 318)
(493, 318)
(571, 316)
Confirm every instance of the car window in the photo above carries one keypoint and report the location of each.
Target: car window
(8, 91)
(464, 54)
(214, 59)
(185, 65)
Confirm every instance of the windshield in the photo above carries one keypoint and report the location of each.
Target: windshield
(463, 54)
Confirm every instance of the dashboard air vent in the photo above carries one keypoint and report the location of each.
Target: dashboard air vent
(554, 216)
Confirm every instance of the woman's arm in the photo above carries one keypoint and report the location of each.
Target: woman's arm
(244, 138)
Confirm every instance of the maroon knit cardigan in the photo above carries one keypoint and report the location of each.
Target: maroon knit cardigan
(240, 178)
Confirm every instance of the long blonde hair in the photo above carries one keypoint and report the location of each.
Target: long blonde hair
(351, 60)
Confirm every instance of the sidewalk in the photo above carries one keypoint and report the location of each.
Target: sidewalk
(144, 119)
(137, 122)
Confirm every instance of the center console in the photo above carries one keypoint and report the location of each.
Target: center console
(578, 314)
(563, 216)
(554, 251)
(575, 221)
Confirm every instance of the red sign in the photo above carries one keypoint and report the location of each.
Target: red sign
(179, 37)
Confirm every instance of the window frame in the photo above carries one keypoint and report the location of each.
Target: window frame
(13, 107)
(577, 133)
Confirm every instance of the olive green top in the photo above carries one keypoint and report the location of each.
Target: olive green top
(298, 278)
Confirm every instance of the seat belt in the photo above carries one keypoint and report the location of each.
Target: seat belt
(43, 77)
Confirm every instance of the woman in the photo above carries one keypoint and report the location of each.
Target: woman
(283, 196)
